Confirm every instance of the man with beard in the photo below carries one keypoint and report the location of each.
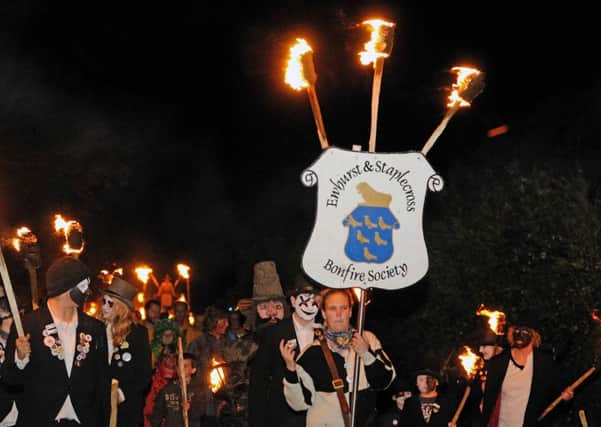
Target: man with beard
(520, 382)
(268, 303)
(267, 404)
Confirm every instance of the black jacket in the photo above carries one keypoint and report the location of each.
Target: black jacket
(45, 381)
(411, 415)
(131, 366)
(546, 385)
(266, 402)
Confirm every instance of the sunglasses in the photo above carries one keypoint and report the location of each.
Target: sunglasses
(105, 301)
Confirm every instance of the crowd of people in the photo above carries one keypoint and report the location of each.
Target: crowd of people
(279, 359)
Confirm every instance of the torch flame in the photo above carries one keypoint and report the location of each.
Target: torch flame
(183, 270)
(23, 234)
(143, 272)
(92, 309)
(142, 312)
(140, 297)
(465, 75)
(191, 319)
(182, 298)
(595, 315)
(376, 47)
(496, 319)
(66, 227)
(470, 362)
(216, 376)
(295, 75)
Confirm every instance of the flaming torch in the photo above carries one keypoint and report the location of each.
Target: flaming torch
(73, 232)
(376, 50)
(26, 244)
(184, 271)
(143, 273)
(471, 363)
(216, 375)
(583, 377)
(496, 319)
(470, 83)
(300, 74)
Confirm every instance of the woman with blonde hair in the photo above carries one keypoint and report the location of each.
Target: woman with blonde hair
(129, 351)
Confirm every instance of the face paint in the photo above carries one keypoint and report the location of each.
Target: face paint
(522, 337)
(270, 311)
(79, 293)
(107, 307)
(305, 306)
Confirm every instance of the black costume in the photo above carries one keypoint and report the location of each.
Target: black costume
(45, 380)
(131, 366)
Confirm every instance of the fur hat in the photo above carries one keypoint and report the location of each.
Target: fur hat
(64, 274)
(122, 290)
(266, 282)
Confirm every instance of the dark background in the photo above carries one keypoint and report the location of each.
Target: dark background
(167, 131)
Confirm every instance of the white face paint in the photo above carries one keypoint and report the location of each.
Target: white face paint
(305, 306)
(107, 307)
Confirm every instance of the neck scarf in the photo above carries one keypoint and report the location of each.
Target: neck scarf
(341, 339)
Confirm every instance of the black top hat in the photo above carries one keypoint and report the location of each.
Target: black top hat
(302, 285)
(122, 290)
(488, 337)
(527, 319)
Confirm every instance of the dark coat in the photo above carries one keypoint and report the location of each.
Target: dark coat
(546, 385)
(266, 401)
(411, 415)
(44, 378)
(133, 372)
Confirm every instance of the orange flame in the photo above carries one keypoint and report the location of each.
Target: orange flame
(464, 77)
(376, 47)
(142, 312)
(216, 376)
(92, 309)
(24, 234)
(295, 75)
(470, 362)
(183, 270)
(143, 272)
(496, 319)
(595, 315)
(66, 227)
(140, 297)
(182, 298)
(191, 319)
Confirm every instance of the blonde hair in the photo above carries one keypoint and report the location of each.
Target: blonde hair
(122, 321)
(536, 337)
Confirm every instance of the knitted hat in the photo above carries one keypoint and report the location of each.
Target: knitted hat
(302, 285)
(64, 274)
(266, 282)
(122, 290)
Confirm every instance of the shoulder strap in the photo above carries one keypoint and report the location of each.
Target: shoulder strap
(337, 382)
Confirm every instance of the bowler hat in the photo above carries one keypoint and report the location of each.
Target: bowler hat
(122, 290)
(302, 285)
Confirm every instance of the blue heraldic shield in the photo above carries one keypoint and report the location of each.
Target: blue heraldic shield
(370, 234)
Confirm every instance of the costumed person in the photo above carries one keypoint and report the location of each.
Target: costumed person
(62, 361)
(168, 404)
(268, 303)
(310, 373)
(236, 331)
(392, 417)
(152, 309)
(165, 372)
(8, 395)
(521, 382)
(428, 407)
(129, 351)
(267, 404)
(166, 294)
(164, 340)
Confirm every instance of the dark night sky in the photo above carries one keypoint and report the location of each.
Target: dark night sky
(167, 131)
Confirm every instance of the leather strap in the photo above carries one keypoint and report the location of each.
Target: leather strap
(337, 382)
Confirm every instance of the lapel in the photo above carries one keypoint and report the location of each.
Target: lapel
(46, 321)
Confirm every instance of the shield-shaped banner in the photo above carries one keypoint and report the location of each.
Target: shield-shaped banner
(368, 228)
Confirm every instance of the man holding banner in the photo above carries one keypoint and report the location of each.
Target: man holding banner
(62, 360)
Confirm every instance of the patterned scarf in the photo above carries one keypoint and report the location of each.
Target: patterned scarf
(341, 339)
